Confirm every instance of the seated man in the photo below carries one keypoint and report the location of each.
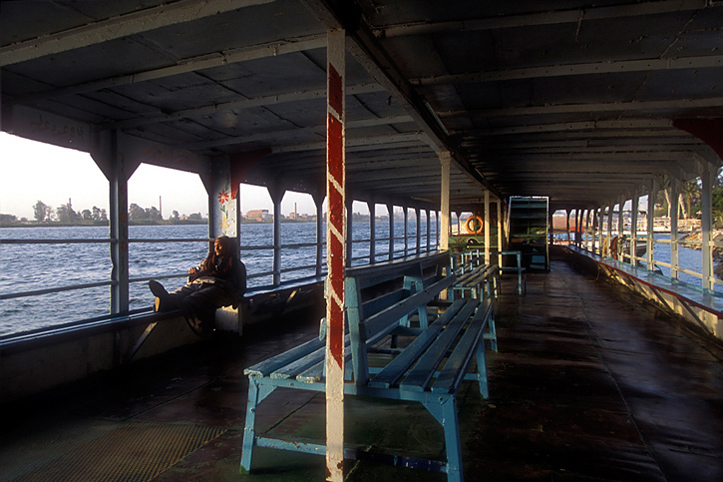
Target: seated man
(219, 280)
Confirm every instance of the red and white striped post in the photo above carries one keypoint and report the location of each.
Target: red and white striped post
(335, 254)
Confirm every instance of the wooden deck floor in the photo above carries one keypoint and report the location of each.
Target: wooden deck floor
(590, 384)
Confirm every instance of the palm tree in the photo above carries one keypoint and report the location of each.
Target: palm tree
(689, 193)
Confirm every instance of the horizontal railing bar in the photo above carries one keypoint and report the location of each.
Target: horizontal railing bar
(57, 290)
(299, 268)
(57, 241)
(171, 240)
(299, 245)
(165, 276)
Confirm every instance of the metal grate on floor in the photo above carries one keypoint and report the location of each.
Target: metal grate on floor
(134, 451)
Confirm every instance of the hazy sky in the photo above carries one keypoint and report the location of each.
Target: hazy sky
(31, 172)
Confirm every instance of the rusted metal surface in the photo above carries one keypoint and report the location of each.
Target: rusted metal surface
(589, 384)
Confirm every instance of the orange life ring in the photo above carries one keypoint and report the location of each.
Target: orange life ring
(474, 224)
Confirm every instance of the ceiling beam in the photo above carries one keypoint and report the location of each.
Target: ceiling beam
(552, 109)
(117, 27)
(209, 110)
(593, 68)
(183, 66)
(365, 48)
(540, 18)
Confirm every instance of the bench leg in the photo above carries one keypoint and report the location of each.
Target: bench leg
(446, 415)
(482, 370)
(250, 427)
(256, 394)
(492, 334)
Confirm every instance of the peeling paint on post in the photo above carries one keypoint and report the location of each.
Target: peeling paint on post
(335, 249)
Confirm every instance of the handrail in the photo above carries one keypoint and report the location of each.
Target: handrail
(46, 291)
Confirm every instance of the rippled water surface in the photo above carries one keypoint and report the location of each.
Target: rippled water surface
(32, 267)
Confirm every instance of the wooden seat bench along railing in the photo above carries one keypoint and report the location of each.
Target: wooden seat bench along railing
(392, 308)
(480, 281)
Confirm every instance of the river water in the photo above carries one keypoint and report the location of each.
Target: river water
(32, 267)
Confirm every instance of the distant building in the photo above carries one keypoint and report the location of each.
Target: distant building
(260, 215)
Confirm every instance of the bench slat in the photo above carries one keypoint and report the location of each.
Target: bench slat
(272, 364)
(381, 324)
(397, 367)
(294, 368)
(424, 370)
(456, 366)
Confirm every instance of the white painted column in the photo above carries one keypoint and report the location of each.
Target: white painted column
(445, 159)
(611, 207)
(567, 224)
(500, 225)
(650, 245)
(277, 194)
(674, 210)
(419, 230)
(707, 227)
(621, 223)
(429, 230)
(372, 232)
(406, 230)
(349, 203)
(390, 210)
(335, 253)
(634, 205)
(118, 217)
(487, 226)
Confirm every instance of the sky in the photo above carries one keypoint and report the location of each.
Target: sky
(32, 171)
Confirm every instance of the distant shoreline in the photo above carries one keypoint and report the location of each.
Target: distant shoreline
(35, 224)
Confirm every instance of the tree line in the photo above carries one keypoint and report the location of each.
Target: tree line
(65, 214)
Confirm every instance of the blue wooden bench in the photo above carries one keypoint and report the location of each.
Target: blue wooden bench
(480, 281)
(393, 308)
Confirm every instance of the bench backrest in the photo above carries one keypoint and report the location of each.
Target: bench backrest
(380, 298)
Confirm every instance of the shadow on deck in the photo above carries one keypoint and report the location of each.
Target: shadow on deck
(590, 385)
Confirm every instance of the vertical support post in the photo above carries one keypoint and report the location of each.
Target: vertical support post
(600, 230)
(319, 201)
(445, 159)
(429, 230)
(674, 210)
(586, 229)
(372, 232)
(499, 226)
(277, 195)
(567, 223)
(335, 253)
(120, 274)
(621, 223)
(390, 211)
(437, 224)
(611, 207)
(707, 227)
(223, 205)
(487, 225)
(650, 245)
(419, 230)
(406, 231)
(349, 202)
(635, 206)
